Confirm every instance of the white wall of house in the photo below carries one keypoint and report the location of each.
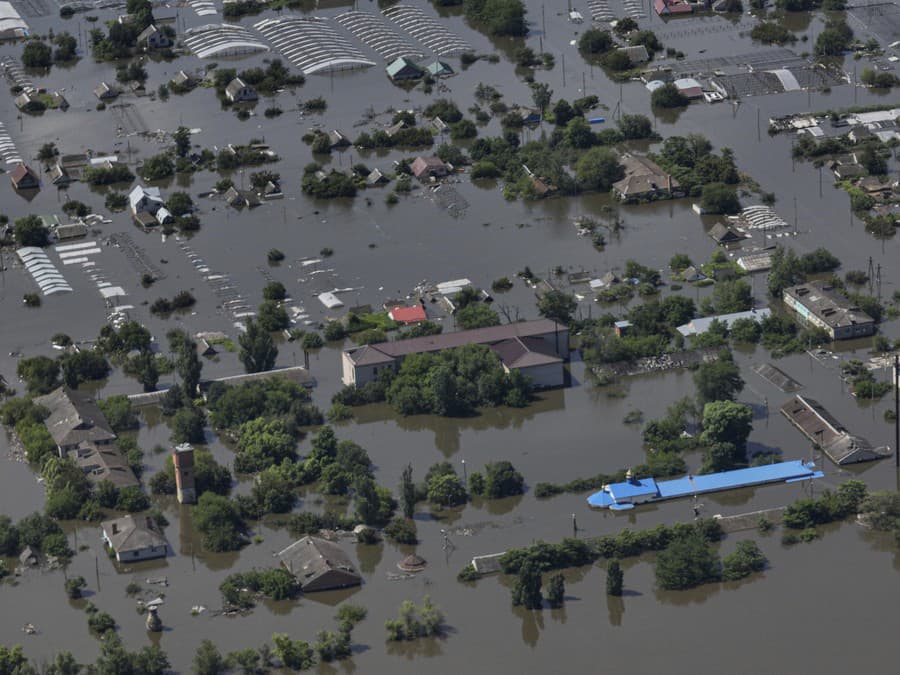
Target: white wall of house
(143, 554)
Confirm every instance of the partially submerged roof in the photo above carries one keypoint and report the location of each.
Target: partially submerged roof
(74, 418)
(821, 427)
(387, 351)
(132, 533)
(702, 324)
(319, 565)
(105, 462)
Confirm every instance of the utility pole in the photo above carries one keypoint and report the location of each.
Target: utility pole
(896, 411)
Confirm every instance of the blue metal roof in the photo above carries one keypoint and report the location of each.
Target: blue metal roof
(690, 485)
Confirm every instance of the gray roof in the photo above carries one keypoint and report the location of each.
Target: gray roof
(525, 352)
(642, 176)
(702, 324)
(835, 310)
(385, 352)
(723, 234)
(319, 564)
(105, 462)
(820, 426)
(74, 418)
(297, 374)
(132, 533)
(235, 86)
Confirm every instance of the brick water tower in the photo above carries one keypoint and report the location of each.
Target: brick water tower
(183, 457)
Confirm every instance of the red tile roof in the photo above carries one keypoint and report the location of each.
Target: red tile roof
(408, 314)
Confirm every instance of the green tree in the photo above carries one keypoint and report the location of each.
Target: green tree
(598, 169)
(446, 490)
(635, 126)
(258, 351)
(40, 374)
(686, 562)
(272, 316)
(62, 664)
(719, 198)
(541, 94)
(732, 295)
(119, 413)
(476, 315)
(187, 426)
(726, 427)
(668, 96)
(180, 204)
(556, 590)
(407, 495)
(558, 306)
(37, 54)
(718, 380)
(526, 590)
(294, 654)
(31, 231)
(158, 167)
(497, 17)
(187, 361)
(182, 139)
(219, 523)
(744, 561)
(208, 660)
(614, 578)
(595, 41)
(502, 480)
(274, 290)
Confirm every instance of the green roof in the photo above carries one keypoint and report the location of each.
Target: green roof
(400, 64)
(439, 68)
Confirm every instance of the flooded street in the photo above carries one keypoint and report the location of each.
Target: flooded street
(824, 607)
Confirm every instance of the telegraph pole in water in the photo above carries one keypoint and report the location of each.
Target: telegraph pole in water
(896, 411)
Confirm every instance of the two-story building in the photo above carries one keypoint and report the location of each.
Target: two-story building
(818, 305)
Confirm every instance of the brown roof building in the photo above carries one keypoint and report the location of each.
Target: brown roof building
(518, 345)
(428, 167)
(24, 178)
(644, 179)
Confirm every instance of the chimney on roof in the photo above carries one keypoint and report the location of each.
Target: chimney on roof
(148, 520)
(115, 528)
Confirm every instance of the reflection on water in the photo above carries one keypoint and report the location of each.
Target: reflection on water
(615, 607)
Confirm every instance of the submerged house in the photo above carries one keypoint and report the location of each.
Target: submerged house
(817, 304)
(403, 68)
(104, 463)
(74, 418)
(239, 91)
(428, 167)
(134, 538)
(822, 428)
(644, 179)
(23, 177)
(319, 565)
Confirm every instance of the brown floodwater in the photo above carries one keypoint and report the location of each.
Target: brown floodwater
(784, 620)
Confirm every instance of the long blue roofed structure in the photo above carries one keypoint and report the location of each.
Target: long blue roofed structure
(621, 496)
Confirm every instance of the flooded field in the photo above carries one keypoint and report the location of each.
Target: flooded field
(784, 620)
